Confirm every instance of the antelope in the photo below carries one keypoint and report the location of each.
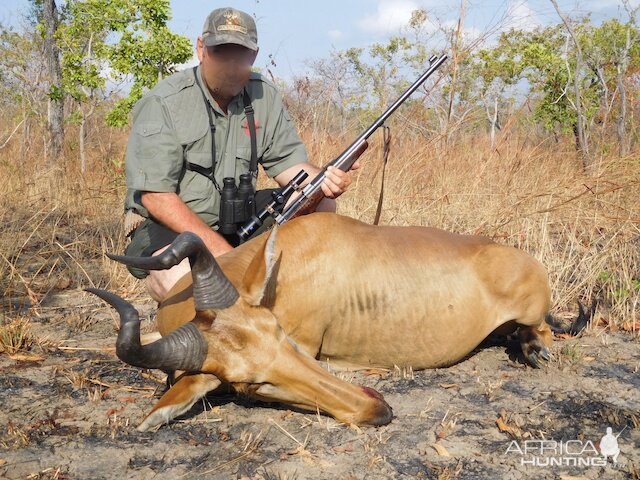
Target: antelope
(325, 287)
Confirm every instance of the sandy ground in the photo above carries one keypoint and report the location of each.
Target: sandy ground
(69, 411)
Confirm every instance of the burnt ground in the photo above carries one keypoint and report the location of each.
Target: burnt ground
(69, 407)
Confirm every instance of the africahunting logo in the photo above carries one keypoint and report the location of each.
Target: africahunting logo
(568, 453)
(232, 23)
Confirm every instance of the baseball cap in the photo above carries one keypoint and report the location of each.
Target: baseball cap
(228, 25)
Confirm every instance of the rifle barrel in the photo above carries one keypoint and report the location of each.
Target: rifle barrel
(346, 156)
(435, 62)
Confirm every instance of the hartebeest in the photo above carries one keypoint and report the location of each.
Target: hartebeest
(327, 287)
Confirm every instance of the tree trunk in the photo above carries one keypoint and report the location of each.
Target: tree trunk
(621, 122)
(25, 145)
(83, 154)
(83, 122)
(493, 121)
(82, 140)
(580, 131)
(622, 117)
(456, 42)
(55, 108)
(583, 144)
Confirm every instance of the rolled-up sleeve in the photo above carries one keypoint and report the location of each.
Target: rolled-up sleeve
(285, 149)
(154, 158)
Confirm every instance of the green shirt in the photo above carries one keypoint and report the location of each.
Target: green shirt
(171, 126)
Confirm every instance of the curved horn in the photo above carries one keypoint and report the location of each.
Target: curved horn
(183, 349)
(211, 288)
(584, 318)
(580, 323)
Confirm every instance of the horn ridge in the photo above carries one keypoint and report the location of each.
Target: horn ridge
(183, 349)
(211, 288)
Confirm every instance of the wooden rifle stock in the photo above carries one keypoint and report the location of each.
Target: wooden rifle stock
(314, 197)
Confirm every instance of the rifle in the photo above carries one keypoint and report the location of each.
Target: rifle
(311, 195)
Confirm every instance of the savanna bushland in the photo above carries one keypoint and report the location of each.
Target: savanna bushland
(528, 136)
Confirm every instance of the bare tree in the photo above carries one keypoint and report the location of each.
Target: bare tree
(580, 126)
(55, 107)
(456, 52)
(622, 67)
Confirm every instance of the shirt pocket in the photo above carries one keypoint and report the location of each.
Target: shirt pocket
(147, 134)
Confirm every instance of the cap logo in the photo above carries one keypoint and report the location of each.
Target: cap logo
(232, 23)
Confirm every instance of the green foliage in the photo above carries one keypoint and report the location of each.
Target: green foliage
(127, 38)
(119, 114)
(382, 79)
(55, 93)
(538, 58)
(491, 72)
(547, 60)
(607, 43)
(75, 117)
(14, 62)
(604, 276)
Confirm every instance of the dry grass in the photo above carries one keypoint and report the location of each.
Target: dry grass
(570, 354)
(82, 381)
(16, 336)
(57, 226)
(527, 193)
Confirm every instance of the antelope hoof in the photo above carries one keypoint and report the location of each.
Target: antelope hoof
(533, 349)
(545, 354)
(536, 355)
(535, 358)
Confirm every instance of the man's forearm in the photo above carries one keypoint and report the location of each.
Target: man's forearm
(173, 213)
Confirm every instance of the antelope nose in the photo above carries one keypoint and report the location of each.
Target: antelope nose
(381, 413)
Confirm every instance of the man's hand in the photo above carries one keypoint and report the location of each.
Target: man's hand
(336, 181)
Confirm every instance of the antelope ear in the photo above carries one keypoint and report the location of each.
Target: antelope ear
(260, 278)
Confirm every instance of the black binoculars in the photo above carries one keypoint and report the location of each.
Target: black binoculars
(237, 204)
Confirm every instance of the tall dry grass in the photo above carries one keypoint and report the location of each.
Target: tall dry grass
(529, 193)
(57, 223)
